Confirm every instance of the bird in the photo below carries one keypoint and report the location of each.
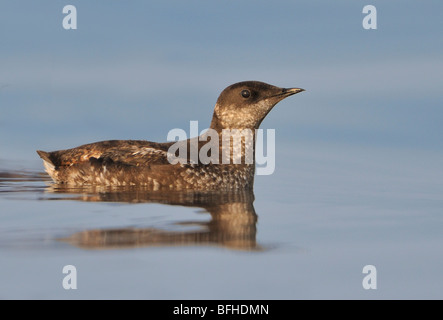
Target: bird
(241, 106)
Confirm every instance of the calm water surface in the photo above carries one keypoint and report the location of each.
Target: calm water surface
(358, 172)
(307, 231)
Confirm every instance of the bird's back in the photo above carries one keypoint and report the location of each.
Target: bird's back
(144, 163)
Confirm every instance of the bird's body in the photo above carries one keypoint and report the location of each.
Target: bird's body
(141, 163)
(133, 162)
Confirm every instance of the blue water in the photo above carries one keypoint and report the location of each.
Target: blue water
(358, 167)
(315, 223)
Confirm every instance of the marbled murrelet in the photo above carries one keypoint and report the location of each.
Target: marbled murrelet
(243, 105)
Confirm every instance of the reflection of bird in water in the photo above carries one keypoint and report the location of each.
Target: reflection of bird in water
(241, 106)
(233, 223)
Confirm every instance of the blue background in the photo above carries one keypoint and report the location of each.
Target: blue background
(359, 155)
(136, 70)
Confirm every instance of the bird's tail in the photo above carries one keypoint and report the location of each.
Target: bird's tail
(45, 156)
(47, 162)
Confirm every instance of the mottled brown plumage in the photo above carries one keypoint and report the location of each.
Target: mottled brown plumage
(243, 105)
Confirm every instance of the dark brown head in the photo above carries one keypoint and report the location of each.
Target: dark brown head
(246, 104)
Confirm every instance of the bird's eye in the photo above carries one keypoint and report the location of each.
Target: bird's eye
(245, 94)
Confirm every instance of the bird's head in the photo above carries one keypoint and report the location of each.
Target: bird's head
(245, 104)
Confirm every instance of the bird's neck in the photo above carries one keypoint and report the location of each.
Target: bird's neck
(226, 118)
(234, 146)
(236, 139)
